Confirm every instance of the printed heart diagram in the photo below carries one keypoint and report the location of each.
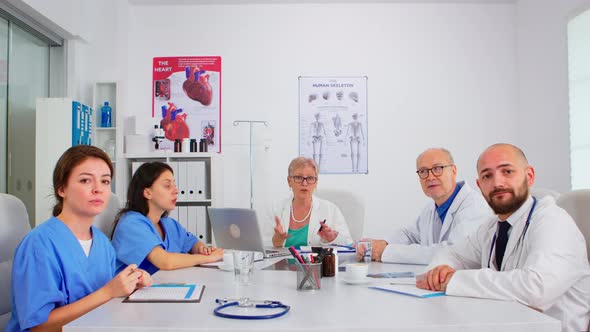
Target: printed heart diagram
(173, 123)
(197, 86)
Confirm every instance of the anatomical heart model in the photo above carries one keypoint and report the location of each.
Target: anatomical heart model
(186, 99)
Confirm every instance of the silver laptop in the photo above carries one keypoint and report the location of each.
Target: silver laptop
(235, 228)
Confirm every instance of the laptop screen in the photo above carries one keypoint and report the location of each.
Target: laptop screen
(235, 228)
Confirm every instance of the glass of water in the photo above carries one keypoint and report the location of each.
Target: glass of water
(243, 267)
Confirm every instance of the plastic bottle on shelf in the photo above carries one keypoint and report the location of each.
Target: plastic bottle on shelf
(105, 115)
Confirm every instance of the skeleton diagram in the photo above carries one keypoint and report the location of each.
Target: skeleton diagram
(354, 130)
(318, 136)
(337, 125)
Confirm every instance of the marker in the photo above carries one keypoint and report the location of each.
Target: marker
(322, 223)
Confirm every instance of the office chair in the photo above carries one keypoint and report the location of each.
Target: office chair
(351, 206)
(14, 225)
(540, 192)
(577, 204)
(105, 220)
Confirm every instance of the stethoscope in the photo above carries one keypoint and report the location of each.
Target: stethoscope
(522, 235)
(246, 302)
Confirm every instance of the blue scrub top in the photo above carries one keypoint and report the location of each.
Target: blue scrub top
(136, 236)
(50, 270)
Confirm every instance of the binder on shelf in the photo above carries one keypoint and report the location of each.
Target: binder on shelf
(174, 214)
(200, 179)
(182, 216)
(196, 183)
(181, 181)
(191, 220)
(202, 229)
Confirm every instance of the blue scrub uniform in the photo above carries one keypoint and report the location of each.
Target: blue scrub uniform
(50, 270)
(136, 236)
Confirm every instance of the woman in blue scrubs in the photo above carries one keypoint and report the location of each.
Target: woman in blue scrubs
(146, 236)
(65, 267)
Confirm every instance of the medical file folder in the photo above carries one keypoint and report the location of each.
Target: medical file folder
(411, 290)
(167, 293)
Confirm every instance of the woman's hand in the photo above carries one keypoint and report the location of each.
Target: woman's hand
(125, 282)
(145, 280)
(205, 250)
(215, 255)
(327, 233)
(280, 236)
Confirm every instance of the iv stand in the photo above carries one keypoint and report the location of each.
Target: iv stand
(250, 122)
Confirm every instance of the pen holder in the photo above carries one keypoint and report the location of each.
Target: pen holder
(308, 276)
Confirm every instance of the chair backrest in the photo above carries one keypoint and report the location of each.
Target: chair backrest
(14, 225)
(540, 192)
(577, 204)
(104, 221)
(351, 206)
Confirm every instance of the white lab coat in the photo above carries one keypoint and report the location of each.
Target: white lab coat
(417, 244)
(321, 210)
(547, 270)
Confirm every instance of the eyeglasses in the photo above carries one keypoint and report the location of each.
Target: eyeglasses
(436, 171)
(308, 179)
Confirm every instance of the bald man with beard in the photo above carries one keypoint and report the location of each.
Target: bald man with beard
(532, 252)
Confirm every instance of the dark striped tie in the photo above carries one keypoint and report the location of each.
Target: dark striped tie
(501, 242)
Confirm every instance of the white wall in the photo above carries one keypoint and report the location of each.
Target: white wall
(579, 101)
(543, 87)
(457, 75)
(439, 75)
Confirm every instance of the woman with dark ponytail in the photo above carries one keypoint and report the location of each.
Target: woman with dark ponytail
(146, 236)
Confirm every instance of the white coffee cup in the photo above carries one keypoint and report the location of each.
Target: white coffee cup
(228, 261)
(356, 271)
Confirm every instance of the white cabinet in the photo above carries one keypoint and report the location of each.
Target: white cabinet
(60, 124)
(199, 181)
(106, 137)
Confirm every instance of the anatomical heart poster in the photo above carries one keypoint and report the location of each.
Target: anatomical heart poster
(333, 123)
(186, 99)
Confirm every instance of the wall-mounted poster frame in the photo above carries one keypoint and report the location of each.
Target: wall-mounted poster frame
(186, 99)
(333, 123)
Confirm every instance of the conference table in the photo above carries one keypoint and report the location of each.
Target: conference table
(336, 306)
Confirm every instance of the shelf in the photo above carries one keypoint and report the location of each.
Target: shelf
(182, 203)
(170, 154)
(105, 128)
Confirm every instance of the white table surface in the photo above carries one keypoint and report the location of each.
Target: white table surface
(337, 306)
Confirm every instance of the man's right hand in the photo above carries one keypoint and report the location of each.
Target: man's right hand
(280, 235)
(436, 279)
(378, 248)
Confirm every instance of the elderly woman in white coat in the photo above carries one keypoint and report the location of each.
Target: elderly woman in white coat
(304, 219)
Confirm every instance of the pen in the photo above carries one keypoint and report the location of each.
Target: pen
(350, 246)
(322, 223)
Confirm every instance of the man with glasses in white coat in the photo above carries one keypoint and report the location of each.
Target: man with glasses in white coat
(456, 211)
(532, 252)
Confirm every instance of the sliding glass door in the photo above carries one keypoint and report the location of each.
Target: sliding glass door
(3, 102)
(28, 79)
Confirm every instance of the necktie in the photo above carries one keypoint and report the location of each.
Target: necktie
(501, 242)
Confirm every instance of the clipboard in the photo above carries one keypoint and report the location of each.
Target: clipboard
(167, 293)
